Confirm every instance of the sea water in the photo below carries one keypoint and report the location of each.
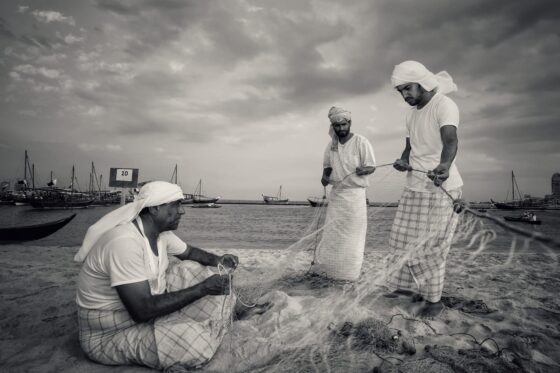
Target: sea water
(252, 226)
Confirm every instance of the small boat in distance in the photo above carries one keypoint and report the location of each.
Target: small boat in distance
(58, 198)
(205, 206)
(278, 200)
(198, 197)
(318, 201)
(519, 203)
(32, 232)
(522, 219)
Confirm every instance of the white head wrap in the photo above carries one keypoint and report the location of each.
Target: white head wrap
(337, 114)
(415, 72)
(151, 194)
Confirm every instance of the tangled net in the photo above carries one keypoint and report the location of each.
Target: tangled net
(315, 324)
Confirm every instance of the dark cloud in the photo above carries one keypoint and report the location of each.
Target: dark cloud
(5, 30)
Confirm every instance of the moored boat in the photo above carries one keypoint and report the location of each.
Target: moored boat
(518, 201)
(198, 198)
(32, 232)
(276, 200)
(522, 219)
(205, 205)
(318, 201)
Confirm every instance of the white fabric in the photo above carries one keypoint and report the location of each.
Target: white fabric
(121, 257)
(355, 152)
(423, 129)
(336, 115)
(340, 252)
(415, 72)
(154, 193)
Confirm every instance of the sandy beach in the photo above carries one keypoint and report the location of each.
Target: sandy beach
(509, 303)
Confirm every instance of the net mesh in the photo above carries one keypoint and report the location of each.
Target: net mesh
(500, 310)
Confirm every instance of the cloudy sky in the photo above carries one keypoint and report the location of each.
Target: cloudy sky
(236, 92)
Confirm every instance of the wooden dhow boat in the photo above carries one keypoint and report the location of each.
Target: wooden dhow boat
(32, 232)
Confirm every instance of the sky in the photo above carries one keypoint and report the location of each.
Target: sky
(236, 93)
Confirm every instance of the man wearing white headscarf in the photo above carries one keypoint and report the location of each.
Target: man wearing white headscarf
(134, 307)
(347, 161)
(425, 223)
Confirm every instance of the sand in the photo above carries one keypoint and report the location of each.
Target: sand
(518, 308)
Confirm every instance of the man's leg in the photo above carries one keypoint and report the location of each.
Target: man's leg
(113, 338)
(401, 280)
(431, 291)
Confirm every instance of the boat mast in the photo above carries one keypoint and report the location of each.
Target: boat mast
(280, 193)
(27, 167)
(174, 175)
(72, 183)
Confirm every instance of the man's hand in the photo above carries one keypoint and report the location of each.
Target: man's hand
(229, 261)
(459, 205)
(216, 285)
(325, 180)
(360, 171)
(402, 165)
(439, 174)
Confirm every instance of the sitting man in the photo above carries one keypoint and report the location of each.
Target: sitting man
(134, 307)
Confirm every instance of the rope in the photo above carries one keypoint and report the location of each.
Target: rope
(537, 236)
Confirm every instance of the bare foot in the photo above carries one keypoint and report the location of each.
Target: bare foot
(430, 310)
(397, 293)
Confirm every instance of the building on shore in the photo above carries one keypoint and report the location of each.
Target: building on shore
(554, 198)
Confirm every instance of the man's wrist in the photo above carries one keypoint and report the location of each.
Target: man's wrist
(216, 260)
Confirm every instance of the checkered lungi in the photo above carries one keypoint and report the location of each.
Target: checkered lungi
(420, 240)
(189, 337)
(340, 253)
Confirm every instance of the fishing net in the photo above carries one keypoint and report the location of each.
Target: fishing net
(500, 311)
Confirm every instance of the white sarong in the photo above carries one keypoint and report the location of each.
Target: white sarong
(340, 252)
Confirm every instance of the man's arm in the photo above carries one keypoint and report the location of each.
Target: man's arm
(208, 259)
(403, 163)
(143, 306)
(448, 153)
(326, 176)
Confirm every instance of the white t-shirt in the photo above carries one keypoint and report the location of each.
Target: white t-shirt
(356, 152)
(423, 129)
(121, 257)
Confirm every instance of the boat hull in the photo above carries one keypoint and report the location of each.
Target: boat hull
(32, 232)
(318, 202)
(522, 220)
(205, 206)
(60, 204)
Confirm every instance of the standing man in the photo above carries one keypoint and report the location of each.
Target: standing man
(425, 223)
(136, 308)
(347, 162)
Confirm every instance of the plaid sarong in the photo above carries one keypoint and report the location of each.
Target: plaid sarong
(420, 240)
(189, 337)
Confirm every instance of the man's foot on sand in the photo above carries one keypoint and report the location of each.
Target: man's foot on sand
(430, 310)
(399, 292)
(243, 312)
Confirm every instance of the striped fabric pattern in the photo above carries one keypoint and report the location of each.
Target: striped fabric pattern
(188, 337)
(420, 240)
